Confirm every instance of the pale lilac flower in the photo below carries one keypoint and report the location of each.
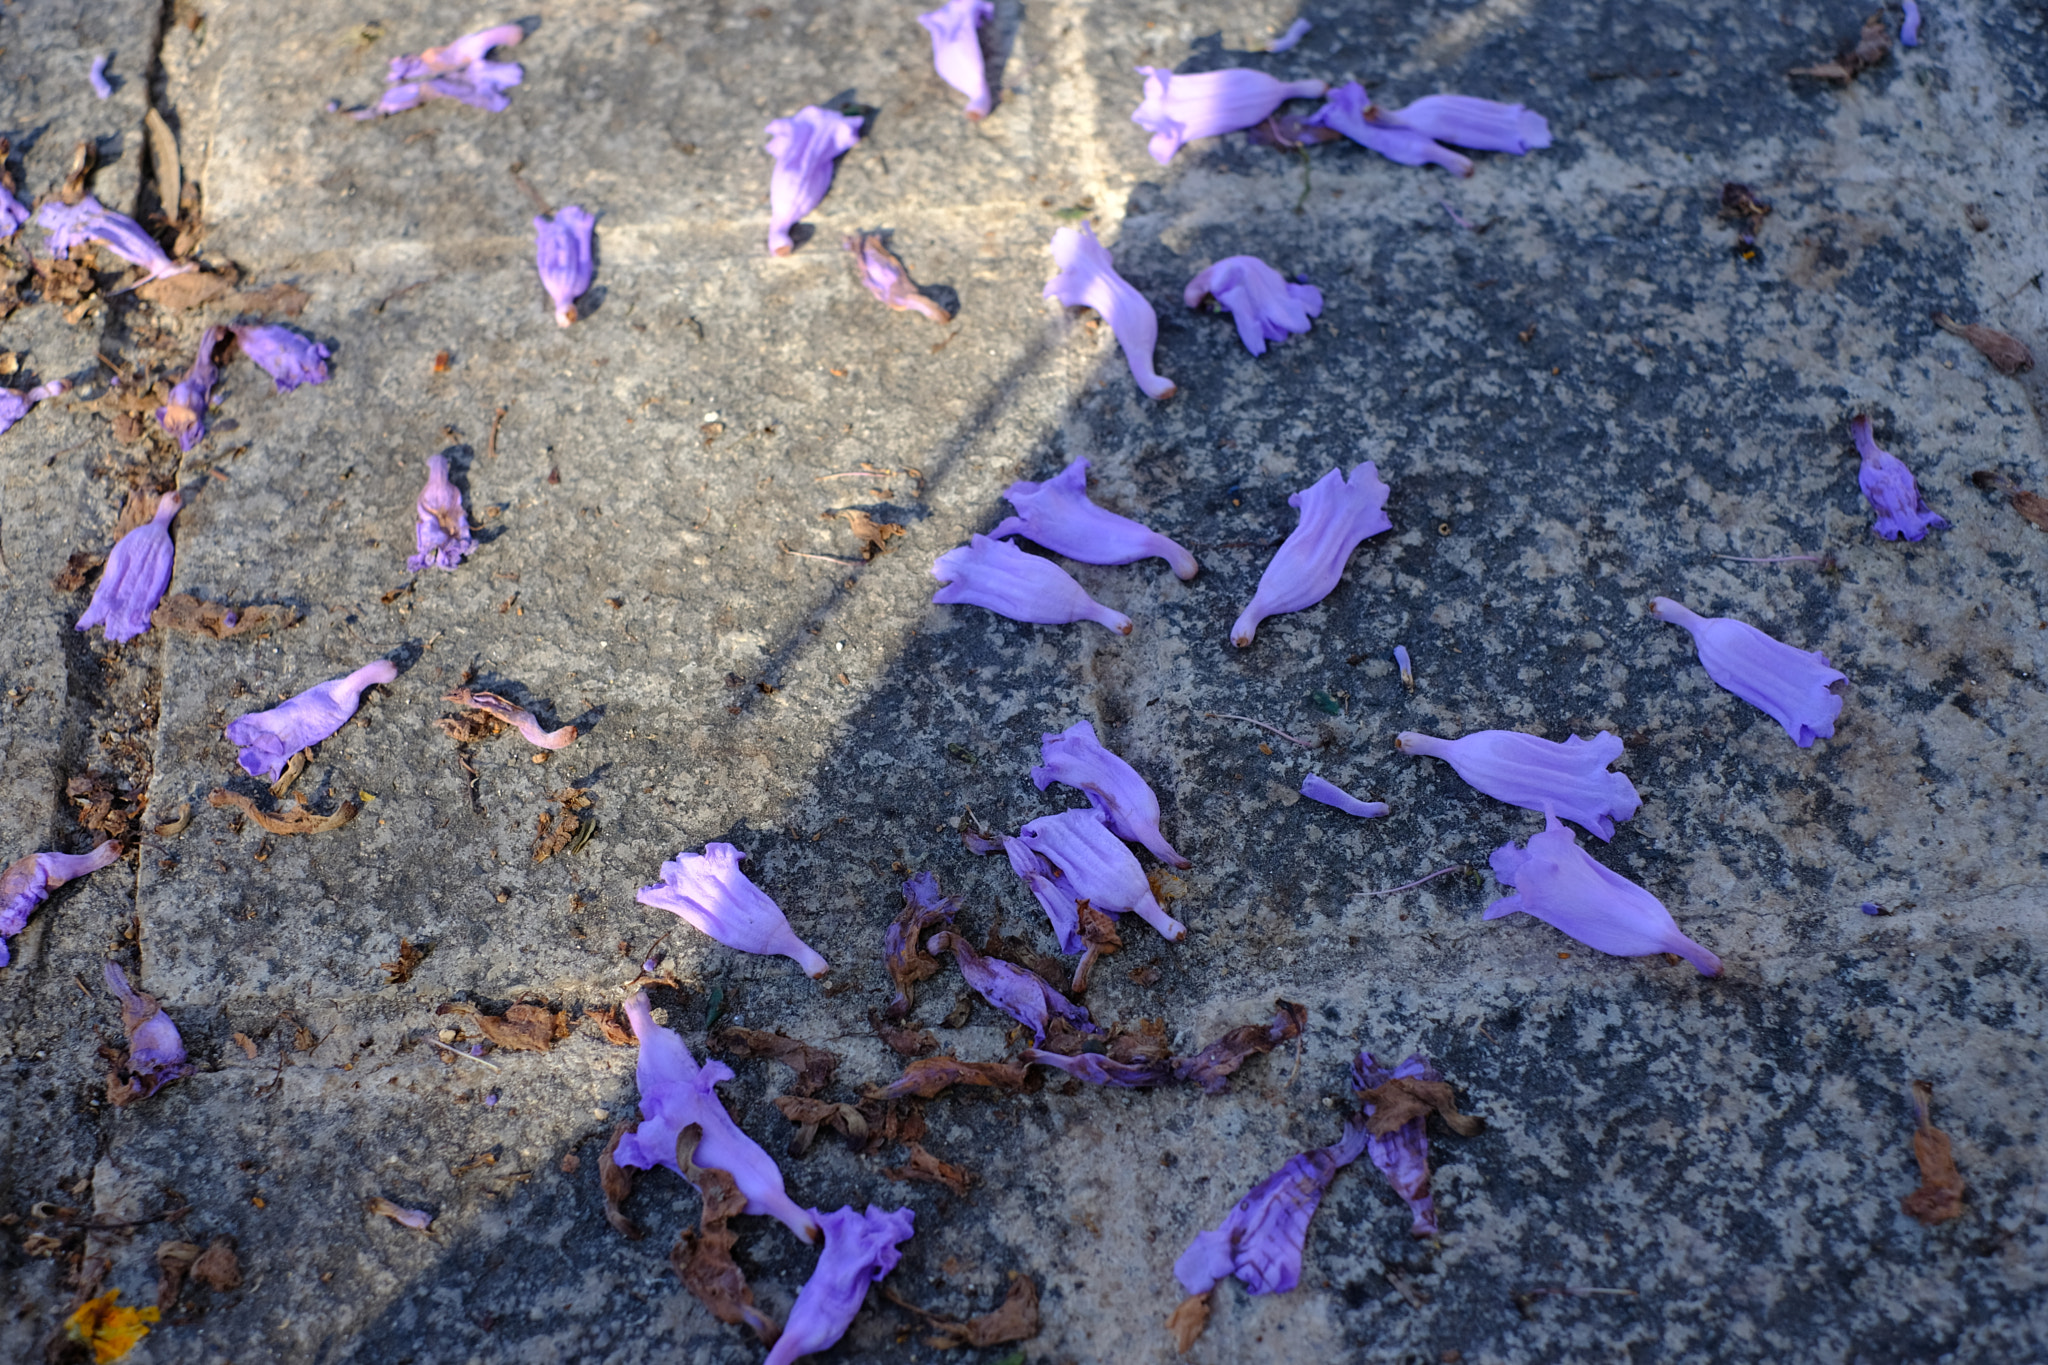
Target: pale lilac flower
(1088, 279)
(518, 717)
(888, 280)
(956, 50)
(1075, 758)
(1889, 486)
(288, 358)
(1000, 577)
(13, 213)
(1296, 31)
(156, 1054)
(1099, 867)
(1335, 516)
(137, 572)
(1539, 774)
(101, 86)
(1789, 685)
(1559, 883)
(1265, 306)
(91, 221)
(1097, 1069)
(441, 528)
(708, 892)
(674, 1093)
(184, 412)
(1464, 121)
(15, 403)
(458, 71)
(1407, 669)
(562, 253)
(1058, 514)
(461, 55)
(419, 1220)
(1177, 109)
(1402, 1156)
(1330, 794)
(268, 739)
(1350, 111)
(1909, 32)
(1055, 895)
(29, 881)
(804, 146)
(860, 1248)
(1263, 1239)
(1021, 994)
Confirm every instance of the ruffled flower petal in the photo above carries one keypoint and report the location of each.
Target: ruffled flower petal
(440, 526)
(1559, 883)
(137, 572)
(288, 358)
(1098, 867)
(1177, 109)
(1791, 686)
(956, 50)
(1263, 1239)
(708, 892)
(562, 255)
(805, 146)
(1265, 306)
(1336, 515)
(1088, 279)
(1890, 487)
(268, 739)
(1000, 577)
(1349, 110)
(1058, 514)
(1539, 774)
(28, 882)
(860, 1248)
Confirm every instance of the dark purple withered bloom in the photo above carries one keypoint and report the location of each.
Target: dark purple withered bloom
(1909, 31)
(1330, 794)
(1791, 686)
(887, 280)
(1096, 1069)
(1539, 774)
(956, 50)
(28, 882)
(91, 221)
(1058, 514)
(156, 1054)
(440, 528)
(460, 70)
(1214, 1065)
(137, 572)
(1265, 1236)
(860, 1248)
(923, 909)
(675, 1092)
(268, 739)
(1889, 485)
(518, 717)
(1350, 111)
(708, 892)
(13, 213)
(1000, 577)
(1265, 306)
(562, 253)
(288, 358)
(805, 145)
(1559, 883)
(1099, 867)
(1402, 1156)
(1021, 994)
(1055, 895)
(15, 403)
(1177, 109)
(97, 75)
(1075, 758)
(1088, 279)
(1335, 516)
(184, 412)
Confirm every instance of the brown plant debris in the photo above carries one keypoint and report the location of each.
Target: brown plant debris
(703, 1258)
(902, 943)
(2007, 354)
(1015, 1319)
(102, 806)
(1404, 1098)
(1940, 1196)
(1047, 968)
(525, 1028)
(1188, 1320)
(419, 1220)
(874, 536)
(1740, 203)
(904, 1042)
(217, 621)
(1211, 1067)
(607, 1021)
(2032, 506)
(62, 282)
(217, 1267)
(399, 970)
(287, 299)
(471, 727)
(1872, 44)
(929, 1076)
(302, 819)
(177, 824)
(78, 570)
(813, 1065)
(173, 1262)
(564, 832)
(928, 1169)
(809, 1115)
(180, 292)
(1098, 932)
(616, 1182)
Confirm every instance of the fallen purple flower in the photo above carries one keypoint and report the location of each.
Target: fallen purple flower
(29, 881)
(1330, 794)
(1264, 306)
(886, 278)
(1021, 994)
(15, 403)
(1558, 882)
(137, 572)
(1889, 486)
(1539, 774)
(518, 717)
(156, 1054)
(1099, 867)
(460, 55)
(1350, 111)
(708, 892)
(1075, 758)
(1909, 31)
(1868, 908)
(97, 75)
(1058, 514)
(860, 1248)
(804, 146)
(268, 739)
(1407, 669)
(184, 412)
(1335, 516)
(1465, 121)
(562, 254)
(1088, 279)
(1263, 1239)
(1055, 895)
(956, 50)
(998, 576)
(1791, 686)
(458, 71)
(1097, 1069)
(441, 527)
(419, 1220)
(1296, 31)
(1402, 1156)
(91, 221)
(288, 358)
(13, 213)
(1214, 1065)
(902, 953)
(1177, 109)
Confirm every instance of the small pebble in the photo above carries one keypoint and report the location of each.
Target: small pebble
(447, 1035)
(600, 1114)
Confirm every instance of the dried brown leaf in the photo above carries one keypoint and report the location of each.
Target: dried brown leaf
(1871, 46)
(180, 292)
(2007, 354)
(525, 1028)
(217, 621)
(400, 970)
(1146, 1043)
(929, 1076)
(703, 1259)
(217, 1267)
(287, 299)
(1188, 1320)
(78, 570)
(173, 1262)
(1098, 932)
(2032, 506)
(1404, 1098)
(928, 1169)
(1940, 1196)
(607, 1021)
(904, 1042)
(1015, 1319)
(247, 1044)
(471, 727)
(809, 1115)
(813, 1065)
(163, 158)
(563, 832)
(102, 806)
(616, 1182)
(62, 282)
(874, 536)
(903, 951)
(302, 820)
(1212, 1066)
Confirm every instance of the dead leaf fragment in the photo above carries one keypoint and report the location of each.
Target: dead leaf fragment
(1871, 46)
(177, 824)
(400, 970)
(1212, 1066)
(902, 943)
(77, 571)
(163, 158)
(1015, 1319)
(2032, 506)
(301, 820)
(525, 1028)
(217, 1267)
(1098, 931)
(102, 806)
(173, 1262)
(928, 1169)
(874, 536)
(563, 832)
(809, 1115)
(247, 1044)
(904, 1042)
(180, 292)
(929, 1076)
(63, 282)
(1187, 1321)
(813, 1065)
(607, 1021)
(617, 1183)
(1940, 1196)
(1405, 1097)
(216, 620)
(287, 299)
(703, 1259)
(2007, 354)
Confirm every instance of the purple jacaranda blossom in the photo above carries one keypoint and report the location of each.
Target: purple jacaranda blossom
(1021, 994)
(15, 403)
(1098, 867)
(1335, 516)
(562, 253)
(1088, 279)
(1889, 485)
(1296, 31)
(1909, 31)
(1177, 109)
(1265, 306)
(1330, 794)
(860, 1248)
(1873, 908)
(1350, 111)
(924, 908)
(1263, 1239)
(137, 572)
(184, 412)
(91, 221)
(1047, 883)
(1097, 1069)
(708, 892)
(156, 1054)
(675, 1092)
(956, 50)
(1539, 774)
(1559, 883)
(268, 739)
(28, 882)
(804, 146)
(1463, 121)
(1789, 685)
(13, 213)
(440, 528)
(1407, 669)
(288, 358)
(888, 280)
(97, 75)
(1058, 514)
(460, 70)
(460, 55)
(1402, 1156)
(1075, 758)
(518, 717)
(1000, 577)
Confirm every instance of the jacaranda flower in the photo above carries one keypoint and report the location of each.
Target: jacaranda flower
(1075, 758)
(1058, 514)
(15, 403)
(860, 1248)
(674, 1093)
(1098, 866)
(137, 572)
(13, 213)
(1263, 1239)
(1402, 1156)
(562, 252)
(460, 55)
(96, 76)
(1021, 994)
(1789, 685)
(1407, 669)
(708, 892)
(1335, 516)
(29, 881)
(1296, 31)
(1097, 1069)
(156, 1053)
(887, 280)
(1559, 883)
(184, 412)
(288, 358)
(1330, 794)
(1464, 121)
(518, 717)
(458, 71)
(91, 221)
(440, 527)
(1350, 111)
(1178, 109)
(956, 50)
(1045, 882)
(1265, 306)
(903, 953)
(1539, 774)
(1088, 279)
(1889, 485)
(804, 146)
(1909, 31)
(268, 739)
(997, 575)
